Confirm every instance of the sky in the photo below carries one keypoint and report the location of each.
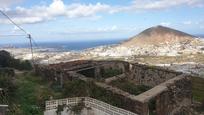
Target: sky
(83, 20)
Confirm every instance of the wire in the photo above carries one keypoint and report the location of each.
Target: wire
(28, 35)
(36, 45)
(31, 40)
(13, 22)
(11, 35)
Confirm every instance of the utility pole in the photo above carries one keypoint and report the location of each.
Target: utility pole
(31, 49)
(31, 45)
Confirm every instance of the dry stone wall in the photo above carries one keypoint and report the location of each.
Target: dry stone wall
(177, 98)
(171, 90)
(150, 75)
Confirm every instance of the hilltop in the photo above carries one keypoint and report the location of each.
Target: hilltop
(158, 35)
(154, 41)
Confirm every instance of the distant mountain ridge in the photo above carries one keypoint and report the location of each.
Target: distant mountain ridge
(158, 35)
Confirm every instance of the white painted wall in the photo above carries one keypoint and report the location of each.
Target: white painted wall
(92, 111)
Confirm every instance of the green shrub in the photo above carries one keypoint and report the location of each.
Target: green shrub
(6, 60)
(110, 72)
(202, 105)
(129, 87)
(6, 81)
(75, 88)
(152, 107)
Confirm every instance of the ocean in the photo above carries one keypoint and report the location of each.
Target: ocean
(65, 45)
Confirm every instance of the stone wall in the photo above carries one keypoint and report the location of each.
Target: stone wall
(94, 69)
(171, 90)
(150, 75)
(103, 66)
(172, 96)
(177, 98)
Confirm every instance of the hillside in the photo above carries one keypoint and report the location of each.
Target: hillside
(154, 41)
(158, 35)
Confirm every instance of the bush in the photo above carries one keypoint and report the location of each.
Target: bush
(7, 72)
(111, 72)
(130, 87)
(6, 81)
(6, 60)
(75, 88)
(152, 107)
(202, 106)
(24, 65)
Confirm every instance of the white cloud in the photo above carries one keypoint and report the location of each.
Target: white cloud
(57, 8)
(7, 3)
(187, 22)
(201, 27)
(99, 30)
(108, 29)
(165, 23)
(164, 4)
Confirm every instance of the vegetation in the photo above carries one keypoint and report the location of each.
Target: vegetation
(6, 60)
(152, 107)
(91, 90)
(6, 82)
(28, 92)
(60, 108)
(198, 89)
(76, 109)
(197, 58)
(130, 87)
(31, 92)
(198, 92)
(111, 72)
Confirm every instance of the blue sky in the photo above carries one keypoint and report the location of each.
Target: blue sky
(81, 20)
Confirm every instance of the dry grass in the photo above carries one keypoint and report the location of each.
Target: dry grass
(197, 58)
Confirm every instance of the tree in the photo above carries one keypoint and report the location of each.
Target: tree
(5, 59)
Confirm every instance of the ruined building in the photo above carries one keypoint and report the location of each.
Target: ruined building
(170, 91)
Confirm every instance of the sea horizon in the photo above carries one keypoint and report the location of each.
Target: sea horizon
(64, 45)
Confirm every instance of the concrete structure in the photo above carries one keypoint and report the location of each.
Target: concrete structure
(3, 107)
(171, 93)
(96, 107)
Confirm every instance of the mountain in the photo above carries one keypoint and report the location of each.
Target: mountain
(158, 35)
(154, 41)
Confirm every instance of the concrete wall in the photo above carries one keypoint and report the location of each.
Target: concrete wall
(85, 111)
(3, 109)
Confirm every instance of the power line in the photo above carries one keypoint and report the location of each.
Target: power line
(36, 45)
(13, 22)
(28, 35)
(12, 35)
(31, 40)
